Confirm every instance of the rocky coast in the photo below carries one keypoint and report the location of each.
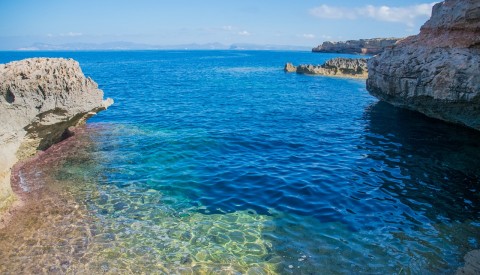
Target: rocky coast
(40, 100)
(342, 67)
(362, 46)
(436, 72)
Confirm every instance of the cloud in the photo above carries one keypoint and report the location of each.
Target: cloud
(72, 34)
(308, 36)
(232, 30)
(327, 37)
(68, 34)
(328, 12)
(406, 15)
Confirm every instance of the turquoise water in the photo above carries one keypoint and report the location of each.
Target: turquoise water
(218, 161)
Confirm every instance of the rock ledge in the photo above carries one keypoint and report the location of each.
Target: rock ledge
(40, 98)
(436, 72)
(342, 67)
(362, 46)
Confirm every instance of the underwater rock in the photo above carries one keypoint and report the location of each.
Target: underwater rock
(472, 263)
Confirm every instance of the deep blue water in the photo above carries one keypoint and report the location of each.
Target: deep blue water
(325, 178)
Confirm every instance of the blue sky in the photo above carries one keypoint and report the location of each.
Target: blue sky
(281, 22)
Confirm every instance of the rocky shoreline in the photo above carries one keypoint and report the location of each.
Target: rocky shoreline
(362, 46)
(41, 99)
(436, 72)
(341, 67)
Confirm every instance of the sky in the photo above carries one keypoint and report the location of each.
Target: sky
(174, 22)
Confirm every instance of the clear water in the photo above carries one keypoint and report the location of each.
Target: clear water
(218, 161)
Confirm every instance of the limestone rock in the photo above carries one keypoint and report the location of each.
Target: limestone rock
(40, 98)
(343, 67)
(289, 68)
(436, 72)
(363, 46)
(472, 264)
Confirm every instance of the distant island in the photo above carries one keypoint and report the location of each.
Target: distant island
(363, 46)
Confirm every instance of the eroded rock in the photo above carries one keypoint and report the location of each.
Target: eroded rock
(40, 98)
(362, 46)
(436, 72)
(342, 67)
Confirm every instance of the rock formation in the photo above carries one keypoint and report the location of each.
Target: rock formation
(40, 98)
(436, 72)
(343, 67)
(362, 46)
(472, 264)
(290, 68)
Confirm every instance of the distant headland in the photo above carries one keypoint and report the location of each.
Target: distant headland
(363, 46)
(342, 67)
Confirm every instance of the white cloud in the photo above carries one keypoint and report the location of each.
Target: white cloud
(327, 37)
(406, 15)
(227, 28)
(67, 34)
(308, 36)
(72, 34)
(328, 12)
(244, 33)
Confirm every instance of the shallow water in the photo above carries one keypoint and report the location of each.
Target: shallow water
(218, 161)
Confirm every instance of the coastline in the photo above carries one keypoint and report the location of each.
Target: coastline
(42, 99)
(131, 214)
(336, 67)
(46, 217)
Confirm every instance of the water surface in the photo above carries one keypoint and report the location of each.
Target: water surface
(214, 161)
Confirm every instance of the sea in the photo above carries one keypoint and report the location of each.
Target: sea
(219, 162)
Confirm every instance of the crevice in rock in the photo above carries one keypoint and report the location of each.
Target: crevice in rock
(9, 96)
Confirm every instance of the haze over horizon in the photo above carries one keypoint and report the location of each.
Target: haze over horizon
(24, 23)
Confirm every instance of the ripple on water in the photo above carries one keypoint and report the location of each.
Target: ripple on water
(208, 164)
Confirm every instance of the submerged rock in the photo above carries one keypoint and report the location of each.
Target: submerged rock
(436, 72)
(40, 98)
(362, 46)
(472, 263)
(343, 67)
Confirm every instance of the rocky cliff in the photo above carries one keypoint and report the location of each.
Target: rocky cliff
(436, 72)
(40, 98)
(343, 67)
(362, 46)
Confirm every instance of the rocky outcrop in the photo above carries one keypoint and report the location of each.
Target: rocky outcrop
(343, 67)
(40, 98)
(436, 72)
(472, 264)
(290, 68)
(363, 46)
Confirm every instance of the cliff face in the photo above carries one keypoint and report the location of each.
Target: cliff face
(40, 98)
(362, 46)
(438, 71)
(343, 67)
